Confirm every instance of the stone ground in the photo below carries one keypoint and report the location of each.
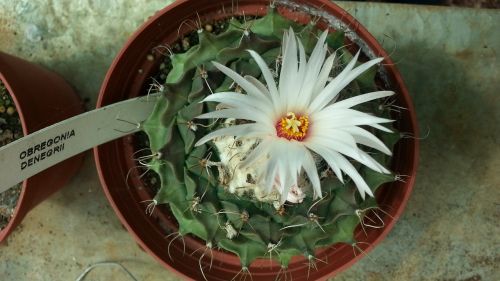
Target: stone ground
(447, 56)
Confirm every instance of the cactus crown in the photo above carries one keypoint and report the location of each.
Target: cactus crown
(197, 181)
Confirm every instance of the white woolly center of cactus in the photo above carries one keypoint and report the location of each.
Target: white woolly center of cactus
(241, 181)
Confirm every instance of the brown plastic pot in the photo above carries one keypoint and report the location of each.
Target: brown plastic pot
(42, 98)
(128, 77)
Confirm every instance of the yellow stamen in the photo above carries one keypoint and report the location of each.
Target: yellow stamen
(293, 127)
(292, 122)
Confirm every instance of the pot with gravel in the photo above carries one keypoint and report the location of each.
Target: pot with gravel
(275, 147)
(10, 130)
(32, 98)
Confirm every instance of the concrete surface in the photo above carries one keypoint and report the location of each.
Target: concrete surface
(448, 57)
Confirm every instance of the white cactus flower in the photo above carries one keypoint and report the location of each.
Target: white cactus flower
(299, 116)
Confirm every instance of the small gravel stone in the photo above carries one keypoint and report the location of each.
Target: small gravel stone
(11, 110)
(185, 43)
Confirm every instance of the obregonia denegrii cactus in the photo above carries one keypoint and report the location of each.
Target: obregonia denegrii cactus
(215, 199)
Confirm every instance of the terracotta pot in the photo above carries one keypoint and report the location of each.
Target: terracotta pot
(42, 98)
(128, 77)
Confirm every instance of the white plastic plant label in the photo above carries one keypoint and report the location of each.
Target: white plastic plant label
(40, 150)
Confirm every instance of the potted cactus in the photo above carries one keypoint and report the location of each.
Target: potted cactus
(274, 148)
(26, 108)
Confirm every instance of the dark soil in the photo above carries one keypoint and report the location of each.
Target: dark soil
(10, 130)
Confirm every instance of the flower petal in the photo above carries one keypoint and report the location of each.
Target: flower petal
(256, 82)
(329, 158)
(288, 74)
(268, 77)
(247, 86)
(312, 172)
(323, 76)
(261, 150)
(349, 169)
(351, 151)
(237, 130)
(336, 161)
(350, 102)
(337, 145)
(364, 137)
(329, 92)
(337, 118)
(238, 113)
(293, 103)
(382, 128)
(376, 166)
(290, 178)
(330, 138)
(341, 81)
(314, 66)
(238, 100)
(270, 172)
